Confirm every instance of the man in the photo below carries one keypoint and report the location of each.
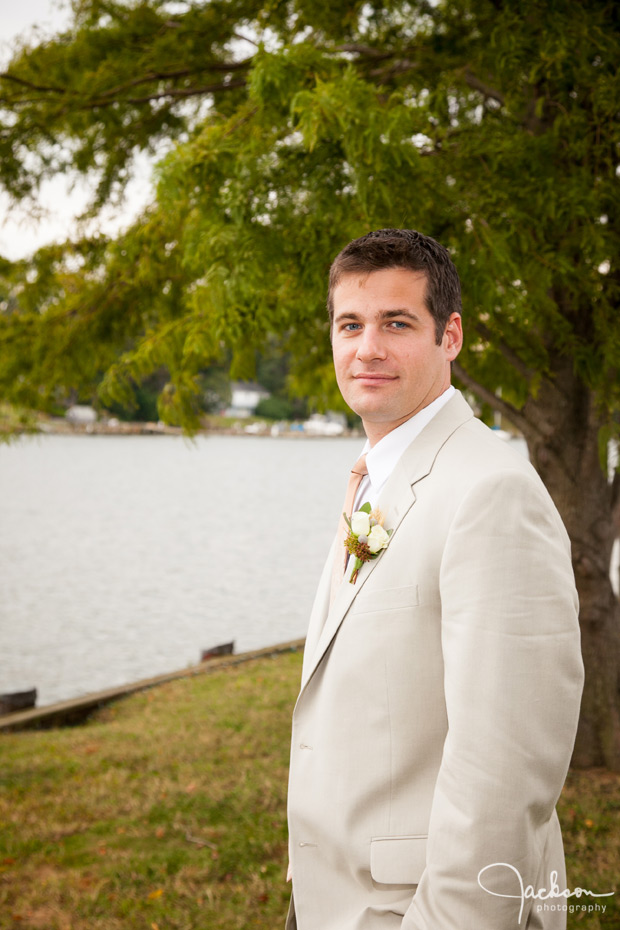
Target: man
(440, 691)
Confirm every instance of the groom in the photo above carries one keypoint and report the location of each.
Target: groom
(440, 691)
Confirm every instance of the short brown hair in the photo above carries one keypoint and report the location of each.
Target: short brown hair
(403, 248)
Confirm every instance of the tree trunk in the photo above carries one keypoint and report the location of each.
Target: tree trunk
(563, 442)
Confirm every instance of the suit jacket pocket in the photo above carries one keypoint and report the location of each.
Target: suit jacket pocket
(388, 599)
(397, 860)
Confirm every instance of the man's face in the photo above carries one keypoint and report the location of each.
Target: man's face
(388, 364)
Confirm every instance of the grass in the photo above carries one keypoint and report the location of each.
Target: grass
(167, 811)
(589, 812)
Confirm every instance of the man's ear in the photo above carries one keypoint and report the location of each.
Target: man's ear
(453, 336)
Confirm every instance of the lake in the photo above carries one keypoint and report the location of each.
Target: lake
(122, 557)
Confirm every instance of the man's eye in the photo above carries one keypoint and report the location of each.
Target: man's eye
(350, 327)
(398, 324)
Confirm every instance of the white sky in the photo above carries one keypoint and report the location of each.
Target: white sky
(20, 233)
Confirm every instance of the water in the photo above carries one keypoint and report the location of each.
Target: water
(122, 557)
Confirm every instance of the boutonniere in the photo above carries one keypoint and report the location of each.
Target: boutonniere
(366, 537)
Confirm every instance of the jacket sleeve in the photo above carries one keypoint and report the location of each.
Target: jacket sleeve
(513, 681)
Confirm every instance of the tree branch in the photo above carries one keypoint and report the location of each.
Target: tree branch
(509, 354)
(507, 410)
(171, 93)
(476, 84)
(226, 67)
(243, 38)
(45, 89)
(185, 72)
(369, 55)
(401, 66)
(365, 51)
(240, 122)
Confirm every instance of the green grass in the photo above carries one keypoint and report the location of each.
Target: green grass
(589, 812)
(167, 811)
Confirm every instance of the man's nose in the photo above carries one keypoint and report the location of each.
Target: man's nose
(371, 345)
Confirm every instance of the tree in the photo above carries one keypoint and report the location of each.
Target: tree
(297, 126)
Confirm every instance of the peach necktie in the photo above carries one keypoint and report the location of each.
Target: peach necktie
(358, 471)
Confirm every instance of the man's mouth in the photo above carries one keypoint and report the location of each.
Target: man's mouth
(373, 377)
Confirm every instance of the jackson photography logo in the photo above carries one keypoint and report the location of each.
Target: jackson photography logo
(548, 898)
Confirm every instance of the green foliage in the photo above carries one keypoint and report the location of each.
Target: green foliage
(143, 405)
(291, 129)
(274, 408)
(215, 388)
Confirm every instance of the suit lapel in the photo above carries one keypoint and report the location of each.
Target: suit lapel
(320, 610)
(395, 501)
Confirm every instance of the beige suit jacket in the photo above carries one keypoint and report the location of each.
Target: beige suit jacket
(439, 702)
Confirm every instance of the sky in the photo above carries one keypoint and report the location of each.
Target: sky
(20, 16)
(20, 233)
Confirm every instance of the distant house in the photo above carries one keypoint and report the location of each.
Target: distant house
(81, 415)
(245, 398)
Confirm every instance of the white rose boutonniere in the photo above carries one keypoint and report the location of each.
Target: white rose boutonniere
(360, 523)
(378, 539)
(366, 537)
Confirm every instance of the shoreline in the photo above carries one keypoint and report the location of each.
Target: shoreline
(57, 426)
(76, 710)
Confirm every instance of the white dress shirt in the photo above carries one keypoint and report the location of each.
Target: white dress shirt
(381, 459)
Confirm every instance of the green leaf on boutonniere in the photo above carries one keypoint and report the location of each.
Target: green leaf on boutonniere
(365, 508)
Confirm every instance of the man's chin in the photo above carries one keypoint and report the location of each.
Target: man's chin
(373, 401)
(379, 414)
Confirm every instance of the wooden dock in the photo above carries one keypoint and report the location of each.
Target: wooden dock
(78, 709)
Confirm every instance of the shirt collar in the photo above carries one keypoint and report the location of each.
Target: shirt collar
(382, 458)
